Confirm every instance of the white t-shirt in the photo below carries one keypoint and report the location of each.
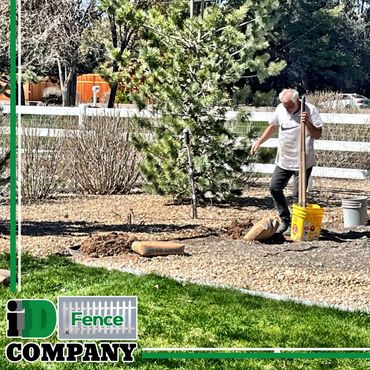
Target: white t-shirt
(289, 137)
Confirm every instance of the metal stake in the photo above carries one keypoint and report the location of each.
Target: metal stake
(186, 134)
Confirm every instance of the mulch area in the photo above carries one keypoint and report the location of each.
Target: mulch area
(98, 231)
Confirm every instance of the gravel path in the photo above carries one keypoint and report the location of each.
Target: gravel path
(334, 270)
(314, 271)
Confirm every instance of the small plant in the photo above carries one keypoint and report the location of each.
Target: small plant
(123, 96)
(52, 95)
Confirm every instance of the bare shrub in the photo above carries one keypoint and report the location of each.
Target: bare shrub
(102, 158)
(4, 168)
(328, 102)
(4, 153)
(344, 132)
(317, 98)
(41, 162)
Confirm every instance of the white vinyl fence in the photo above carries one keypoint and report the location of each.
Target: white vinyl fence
(341, 146)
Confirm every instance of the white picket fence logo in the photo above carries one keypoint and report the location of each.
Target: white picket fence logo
(97, 317)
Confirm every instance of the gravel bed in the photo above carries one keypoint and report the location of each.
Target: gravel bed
(316, 271)
(334, 270)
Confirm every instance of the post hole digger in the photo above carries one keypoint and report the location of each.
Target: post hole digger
(306, 218)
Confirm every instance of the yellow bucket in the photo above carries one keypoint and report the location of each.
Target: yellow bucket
(306, 222)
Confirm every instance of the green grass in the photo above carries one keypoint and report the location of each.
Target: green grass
(172, 314)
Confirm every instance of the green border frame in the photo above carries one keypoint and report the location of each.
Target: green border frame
(13, 145)
(252, 355)
(13, 239)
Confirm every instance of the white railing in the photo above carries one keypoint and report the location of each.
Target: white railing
(84, 110)
(351, 146)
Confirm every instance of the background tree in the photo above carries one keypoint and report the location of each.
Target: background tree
(124, 25)
(57, 27)
(187, 68)
(324, 44)
(56, 41)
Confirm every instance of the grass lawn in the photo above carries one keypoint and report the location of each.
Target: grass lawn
(172, 314)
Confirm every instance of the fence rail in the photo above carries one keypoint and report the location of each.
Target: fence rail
(85, 110)
(329, 118)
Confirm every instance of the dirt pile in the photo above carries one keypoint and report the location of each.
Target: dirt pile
(112, 244)
(238, 228)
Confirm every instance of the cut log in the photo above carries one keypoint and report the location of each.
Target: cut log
(157, 248)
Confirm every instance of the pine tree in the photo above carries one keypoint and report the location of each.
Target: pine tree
(187, 68)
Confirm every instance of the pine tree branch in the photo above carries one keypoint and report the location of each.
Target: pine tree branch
(239, 51)
(168, 36)
(222, 28)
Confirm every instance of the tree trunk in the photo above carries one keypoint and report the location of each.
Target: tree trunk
(113, 88)
(70, 86)
(61, 82)
(23, 98)
(72, 89)
(67, 84)
(112, 96)
(113, 29)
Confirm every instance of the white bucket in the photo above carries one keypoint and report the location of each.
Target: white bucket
(354, 211)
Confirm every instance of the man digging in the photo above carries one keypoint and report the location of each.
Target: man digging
(287, 118)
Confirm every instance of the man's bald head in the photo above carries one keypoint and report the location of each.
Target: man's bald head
(289, 98)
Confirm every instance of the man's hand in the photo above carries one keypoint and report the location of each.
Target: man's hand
(315, 132)
(255, 147)
(305, 118)
(269, 130)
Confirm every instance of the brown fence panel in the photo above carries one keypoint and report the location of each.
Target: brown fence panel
(84, 88)
(33, 92)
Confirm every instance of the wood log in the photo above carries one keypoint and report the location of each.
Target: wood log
(157, 248)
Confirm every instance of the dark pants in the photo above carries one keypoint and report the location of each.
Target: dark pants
(279, 181)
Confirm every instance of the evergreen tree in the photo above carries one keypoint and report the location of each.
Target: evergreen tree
(325, 45)
(124, 18)
(187, 68)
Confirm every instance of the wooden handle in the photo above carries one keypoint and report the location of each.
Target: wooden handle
(302, 159)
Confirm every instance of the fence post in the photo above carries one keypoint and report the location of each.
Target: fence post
(82, 114)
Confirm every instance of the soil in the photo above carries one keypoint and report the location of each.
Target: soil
(98, 231)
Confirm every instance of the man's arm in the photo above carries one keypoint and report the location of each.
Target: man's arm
(269, 131)
(314, 131)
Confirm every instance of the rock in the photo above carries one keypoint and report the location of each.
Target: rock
(157, 248)
(4, 277)
(263, 229)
